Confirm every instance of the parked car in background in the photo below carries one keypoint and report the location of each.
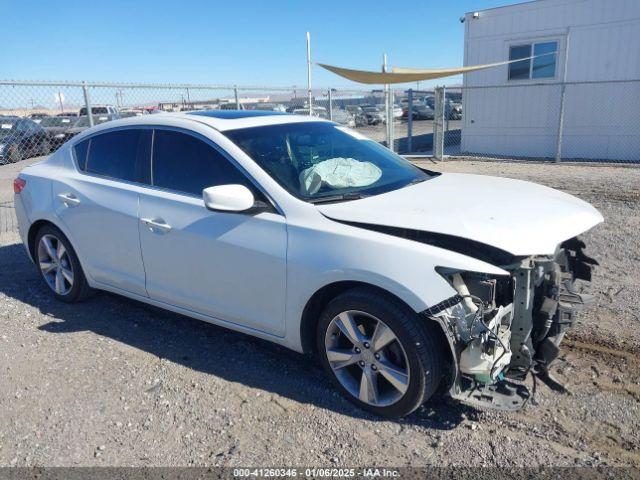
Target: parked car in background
(397, 112)
(56, 128)
(37, 117)
(422, 112)
(302, 233)
(231, 106)
(374, 115)
(270, 107)
(21, 138)
(67, 114)
(318, 111)
(429, 102)
(343, 118)
(101, 110)
(453, 111)
(131, 112)
(358, 114)
(82, 123)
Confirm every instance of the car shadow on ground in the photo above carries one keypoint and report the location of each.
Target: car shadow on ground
(198, 345)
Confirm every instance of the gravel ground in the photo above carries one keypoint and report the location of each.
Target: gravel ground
(114, 382)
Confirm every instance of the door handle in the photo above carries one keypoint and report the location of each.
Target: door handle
(69, 199)
(156, 224)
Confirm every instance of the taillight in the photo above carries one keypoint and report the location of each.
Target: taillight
(19, 184)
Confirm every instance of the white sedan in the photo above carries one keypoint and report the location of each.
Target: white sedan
(404, 282)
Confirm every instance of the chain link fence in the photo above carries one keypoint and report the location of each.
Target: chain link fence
(594, 121)
(554, 121)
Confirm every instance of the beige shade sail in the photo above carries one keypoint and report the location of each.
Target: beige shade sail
(406, 75)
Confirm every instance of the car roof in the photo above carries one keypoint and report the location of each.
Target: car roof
(234, 114)
(221, 120)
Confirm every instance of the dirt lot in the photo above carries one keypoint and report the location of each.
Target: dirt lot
(114, 382)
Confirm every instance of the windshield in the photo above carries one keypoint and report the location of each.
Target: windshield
(56, 122)
(316, 160)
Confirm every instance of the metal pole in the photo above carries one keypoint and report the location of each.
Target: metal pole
(410, 121)
(392, 133)
(386, 103)
(563, 88)
(560, 124)
(446, 117)
(235, 94)
(87, 103)
(330, 106)
(438, 123)
(310, 99)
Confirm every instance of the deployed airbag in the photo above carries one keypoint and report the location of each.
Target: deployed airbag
(339, 173)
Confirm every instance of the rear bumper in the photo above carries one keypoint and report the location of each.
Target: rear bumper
(23, 222)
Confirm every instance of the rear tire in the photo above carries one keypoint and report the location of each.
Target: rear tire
(403, 374)
(59, 266)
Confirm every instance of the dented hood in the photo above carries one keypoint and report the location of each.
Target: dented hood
(519, 217)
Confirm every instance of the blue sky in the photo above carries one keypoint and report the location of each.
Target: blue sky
(246, 42)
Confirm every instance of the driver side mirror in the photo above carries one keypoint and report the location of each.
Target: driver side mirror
(228, 198)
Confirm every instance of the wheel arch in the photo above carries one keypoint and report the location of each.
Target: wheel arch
(31, 235)
(319, 300)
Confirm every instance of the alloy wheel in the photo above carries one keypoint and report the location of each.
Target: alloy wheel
(55, 264)
(367, 358)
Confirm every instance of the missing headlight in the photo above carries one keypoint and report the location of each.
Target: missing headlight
(480, 322)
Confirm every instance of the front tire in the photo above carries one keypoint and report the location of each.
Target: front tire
(59, 266)
(378, 352)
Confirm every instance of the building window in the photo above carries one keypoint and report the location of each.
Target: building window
(543, 65)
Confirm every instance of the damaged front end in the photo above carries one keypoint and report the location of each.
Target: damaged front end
(500, 328)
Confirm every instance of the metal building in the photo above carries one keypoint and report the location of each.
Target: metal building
(580, 98)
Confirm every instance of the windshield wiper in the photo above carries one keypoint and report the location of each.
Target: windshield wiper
(337, 198)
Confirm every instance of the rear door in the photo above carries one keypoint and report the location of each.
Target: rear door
(230, 266)
(98, 205)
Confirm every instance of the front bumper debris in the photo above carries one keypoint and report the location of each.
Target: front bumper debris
(502, 328)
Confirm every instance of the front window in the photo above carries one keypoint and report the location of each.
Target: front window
(186, 164)
(318, 161)
(542, 65)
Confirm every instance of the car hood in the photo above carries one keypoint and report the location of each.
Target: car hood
(519, 217)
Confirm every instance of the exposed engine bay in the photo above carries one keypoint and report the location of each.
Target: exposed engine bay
(501, 328)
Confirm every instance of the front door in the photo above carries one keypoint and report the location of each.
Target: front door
(225, 265)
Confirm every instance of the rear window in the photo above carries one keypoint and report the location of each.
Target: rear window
(111, 154)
